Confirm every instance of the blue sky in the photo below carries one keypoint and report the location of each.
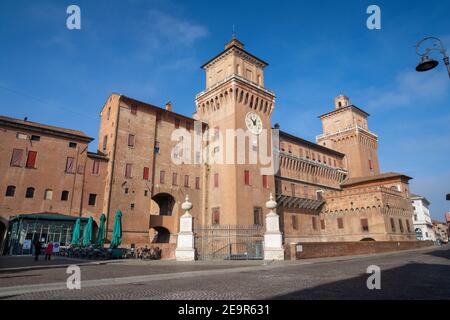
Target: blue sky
(152, 51)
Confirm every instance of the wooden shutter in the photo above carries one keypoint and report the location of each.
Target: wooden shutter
(95, 167)
(69, 164)
(131, 140)
(247, 177)
(31, 160)
(128, 170)
(265, 181)
(162, 176)
(16, 158)
(145, 175)
(197, 182)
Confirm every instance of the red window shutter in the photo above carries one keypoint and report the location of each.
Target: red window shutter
(186, 181)
(162, 177)
(146, 171)
(31, 160)
(128, 170)
(216, 180)
(95, 167)
(197, 183)
(16, 158)
(131, 140)
(69, 165)
(174, 179)
(265, 181)
(247, 177)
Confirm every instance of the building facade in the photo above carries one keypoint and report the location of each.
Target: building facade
(149, 158)
(422, 218)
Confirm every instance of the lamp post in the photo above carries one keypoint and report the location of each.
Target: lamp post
(425, 62)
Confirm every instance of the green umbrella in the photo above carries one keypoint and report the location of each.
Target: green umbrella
(101, 231)
(76, 233)
(117, 232)
(87, 235)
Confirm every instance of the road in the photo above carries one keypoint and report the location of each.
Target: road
(419, 274)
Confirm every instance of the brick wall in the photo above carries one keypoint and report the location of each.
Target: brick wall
(336, 249)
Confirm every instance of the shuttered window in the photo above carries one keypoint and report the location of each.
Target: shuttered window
(216, 216)
(131, 140)
(128, 170)
(145, 174)
(16, 158)
(95, 167)
(197, 182)
(70, 162)
(174, 179)
(186, 181)
(314, 223)
(31, 159)
(322, 224)
(216, 180)
(265, 181)
(247, 177)
(294, 222)
(365, 225)
(162, 177)
(340, 222)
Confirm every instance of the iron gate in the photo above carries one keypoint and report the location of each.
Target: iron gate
(227, 242)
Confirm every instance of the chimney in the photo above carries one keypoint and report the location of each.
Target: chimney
(169, 106)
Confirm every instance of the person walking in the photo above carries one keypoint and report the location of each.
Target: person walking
(49, 251)
(37, 250)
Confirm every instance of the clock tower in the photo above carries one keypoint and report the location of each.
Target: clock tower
(237, 108)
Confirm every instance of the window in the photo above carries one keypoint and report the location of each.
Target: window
(282, 146)
(322, 224)
(340, 223)
(80, 169)
(300, 152)
(294, 222)
(174, 179)
(16, 158)
(314, 156)
(108, 114)
(35, 138)
(265, 181)
(126, 190)
(29, 193)
(257, 216)
(128, 168)
(21, 136)
(131, 206)
(392, 225)
(216, 133)
(216, 180)
(70, 164)
(95, 167)
(415, 217)
(105, 142)
(408, 227)
(145, 193)
(289, 148)
(365, 225)
(186, 181)
(177, 123)
(307, 154)
(145, 173)
(131, 140)
(10, 191)
(48, 194)
(314, 223)
(65, 195)
(72, 145)
(334, 162)
(247, 177)
(197, 182)
(188, 126)
(92, 199)
(319, 158)
(370, 165)
(133, 109)
(31, 159)
(216, 216)
(400, 224)
(162, 177)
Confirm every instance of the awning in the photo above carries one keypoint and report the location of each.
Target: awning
(47, 216)
(300, 203)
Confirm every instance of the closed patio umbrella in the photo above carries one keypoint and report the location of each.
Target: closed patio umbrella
(101, 231)
(76, 233)
(117, 231)
(87, 235)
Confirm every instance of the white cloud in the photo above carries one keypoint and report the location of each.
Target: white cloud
(409, 89)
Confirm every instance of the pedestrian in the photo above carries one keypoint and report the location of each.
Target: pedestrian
(37, 250)
(49, 251)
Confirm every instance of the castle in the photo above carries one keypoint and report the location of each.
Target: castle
(328, 190)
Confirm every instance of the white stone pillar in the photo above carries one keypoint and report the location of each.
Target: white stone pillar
(273, 240)
(185, 241)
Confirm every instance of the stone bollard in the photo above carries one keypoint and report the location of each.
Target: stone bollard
(185, 241)
(273, 240)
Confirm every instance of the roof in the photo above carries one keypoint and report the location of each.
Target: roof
(345, 108)
(159, 108)
(44, 128)
(309, 143)
(233, 46)
(418, 197)
(47, 216)
(378, 177)
(98, 155)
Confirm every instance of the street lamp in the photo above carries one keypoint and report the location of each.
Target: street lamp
(425, 62)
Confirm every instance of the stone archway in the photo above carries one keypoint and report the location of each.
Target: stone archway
(367, 239)
(161, 235)
(165, 202)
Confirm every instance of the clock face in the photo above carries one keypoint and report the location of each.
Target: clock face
(253, 122)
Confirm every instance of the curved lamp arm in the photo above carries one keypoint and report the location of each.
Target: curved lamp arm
(441, 49)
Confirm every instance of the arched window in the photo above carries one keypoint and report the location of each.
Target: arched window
(29, 193)
(10, 191)
(48, 195)
(65, 195)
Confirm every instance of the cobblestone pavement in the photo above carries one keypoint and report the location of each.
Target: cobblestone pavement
(422, 274)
